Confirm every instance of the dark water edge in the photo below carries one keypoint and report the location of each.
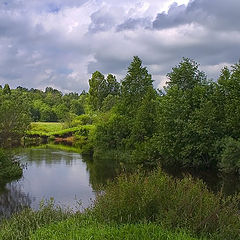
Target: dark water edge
(61, 172)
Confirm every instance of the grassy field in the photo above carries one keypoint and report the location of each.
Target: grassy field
(44, 128)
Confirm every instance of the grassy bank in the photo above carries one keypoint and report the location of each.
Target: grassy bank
(138, 206)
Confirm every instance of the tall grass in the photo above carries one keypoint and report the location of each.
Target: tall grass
(173, 203)
(21, 225)
(88, 229)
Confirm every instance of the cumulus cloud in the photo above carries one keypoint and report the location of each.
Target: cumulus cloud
(60, 43)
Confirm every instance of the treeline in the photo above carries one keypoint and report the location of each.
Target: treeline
(50, 105)
(193, 122)
(20, 106)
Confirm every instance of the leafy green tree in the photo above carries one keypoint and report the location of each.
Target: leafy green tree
(76, 107)
(14, 117)
(111, 134)
(187, 120)
(109, 102)
(186, 75)
(61, 112)
(229, 88)
(113, 86)
(144, 123)
(97, 90)
(6, 90)
(134, 86)
(48, 114)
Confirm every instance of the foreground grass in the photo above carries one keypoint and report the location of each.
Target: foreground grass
(77, 228)
(21, 225)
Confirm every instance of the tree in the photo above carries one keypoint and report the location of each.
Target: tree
(186, 75)
(134, 86)
(6, 90)
(97, 91)
(229, 97)
(144, 123)
(14, 117)
(76, 107)
(113, 87)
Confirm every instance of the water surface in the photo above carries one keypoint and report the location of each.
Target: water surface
(48, 173)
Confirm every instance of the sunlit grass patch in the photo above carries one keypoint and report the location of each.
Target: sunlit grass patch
(46, 127)
(77, 228)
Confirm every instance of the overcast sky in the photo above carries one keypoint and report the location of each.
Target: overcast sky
(60, 43)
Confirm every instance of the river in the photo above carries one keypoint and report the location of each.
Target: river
(52, 172)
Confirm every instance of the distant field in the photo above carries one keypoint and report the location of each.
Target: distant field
(43, 128)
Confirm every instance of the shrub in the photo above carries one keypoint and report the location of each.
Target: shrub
(185, 203)
(9, 170)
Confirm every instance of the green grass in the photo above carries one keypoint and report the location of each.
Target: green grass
(173, 203)
(44, 128)
(21, 225)
(77, 228)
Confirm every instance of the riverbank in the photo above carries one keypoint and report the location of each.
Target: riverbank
(157, 203)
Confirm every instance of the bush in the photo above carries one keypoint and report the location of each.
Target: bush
(9, 170)
(159, 198)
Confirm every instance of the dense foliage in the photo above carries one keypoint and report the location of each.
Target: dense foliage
(185, 125)
(185, 204)
(9, 170)
(194, 122)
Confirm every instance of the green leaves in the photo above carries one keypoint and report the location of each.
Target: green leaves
(100, 88)
(186, 75)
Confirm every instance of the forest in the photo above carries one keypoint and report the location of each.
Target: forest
(192, 123)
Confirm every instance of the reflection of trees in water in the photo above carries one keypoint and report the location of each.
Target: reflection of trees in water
(12, 200)
(101, 170)
(49, 156)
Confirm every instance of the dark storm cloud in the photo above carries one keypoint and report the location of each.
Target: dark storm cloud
(217, 14)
